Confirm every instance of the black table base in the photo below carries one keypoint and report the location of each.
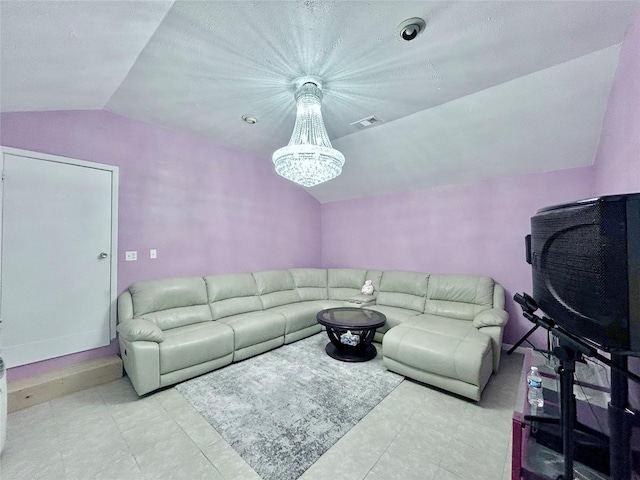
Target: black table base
(355, 355)
(362, 352)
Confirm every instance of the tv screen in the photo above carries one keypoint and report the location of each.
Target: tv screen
(585, 258)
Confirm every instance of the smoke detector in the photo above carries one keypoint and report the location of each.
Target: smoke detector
(410, 28)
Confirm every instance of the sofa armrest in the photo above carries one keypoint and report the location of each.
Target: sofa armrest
(142, 363)
(494, 317)
(495, 333)
(139, 329)
(125, 306)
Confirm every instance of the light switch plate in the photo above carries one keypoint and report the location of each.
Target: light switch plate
(130, 256)
(153, 253)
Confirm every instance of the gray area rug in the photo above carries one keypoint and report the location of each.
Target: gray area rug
(283, 409)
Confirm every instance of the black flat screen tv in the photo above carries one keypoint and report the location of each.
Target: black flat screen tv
(585, 258)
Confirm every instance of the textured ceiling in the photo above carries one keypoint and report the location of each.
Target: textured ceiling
(490, 89)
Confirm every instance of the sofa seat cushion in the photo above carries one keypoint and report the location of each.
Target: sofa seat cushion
(395, 315)
(255, 327)
(325, 304)
(440, 325)
(191, 345)
(299, 315)
(460, 351)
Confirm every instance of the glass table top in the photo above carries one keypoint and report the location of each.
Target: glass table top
(350, 317)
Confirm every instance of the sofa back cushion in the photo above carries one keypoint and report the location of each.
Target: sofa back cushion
(403, 289)
(311, 283)
(232, 294)
(344, 283)
(276, 288)
(459, 296)
(171, 302)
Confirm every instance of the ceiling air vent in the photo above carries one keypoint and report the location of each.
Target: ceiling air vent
(366, 122)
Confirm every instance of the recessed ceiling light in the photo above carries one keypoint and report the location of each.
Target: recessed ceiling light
(250, 119)
(411, 28)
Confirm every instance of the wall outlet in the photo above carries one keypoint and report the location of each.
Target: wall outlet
(153, 253)
(130, 256)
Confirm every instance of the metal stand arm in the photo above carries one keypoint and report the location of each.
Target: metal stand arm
(523, 339)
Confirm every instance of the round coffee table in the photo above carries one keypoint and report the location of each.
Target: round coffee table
(360, 322)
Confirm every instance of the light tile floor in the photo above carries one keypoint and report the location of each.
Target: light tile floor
(107, 432)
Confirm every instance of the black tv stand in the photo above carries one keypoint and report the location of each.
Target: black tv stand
(572, 348)
(570, 431)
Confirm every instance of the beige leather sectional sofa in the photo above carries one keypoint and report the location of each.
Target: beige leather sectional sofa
(443, 330)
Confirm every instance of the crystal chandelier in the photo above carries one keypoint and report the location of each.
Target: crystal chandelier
(309, 158)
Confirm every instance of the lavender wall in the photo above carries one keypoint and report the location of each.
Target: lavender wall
(475, 229)
(617, 163)
(206, 208)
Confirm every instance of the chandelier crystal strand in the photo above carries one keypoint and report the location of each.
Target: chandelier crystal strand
(309, 159)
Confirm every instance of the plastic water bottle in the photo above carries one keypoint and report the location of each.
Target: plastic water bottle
(534, 381)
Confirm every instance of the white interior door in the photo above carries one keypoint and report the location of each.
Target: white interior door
(58, 270)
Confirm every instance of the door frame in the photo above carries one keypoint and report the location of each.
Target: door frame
(114, 170)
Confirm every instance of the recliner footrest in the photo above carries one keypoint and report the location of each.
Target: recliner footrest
(448, 360)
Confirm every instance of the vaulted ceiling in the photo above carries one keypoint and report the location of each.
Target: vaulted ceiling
(489, 89)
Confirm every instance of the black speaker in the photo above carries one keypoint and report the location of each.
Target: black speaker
(585, 259)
